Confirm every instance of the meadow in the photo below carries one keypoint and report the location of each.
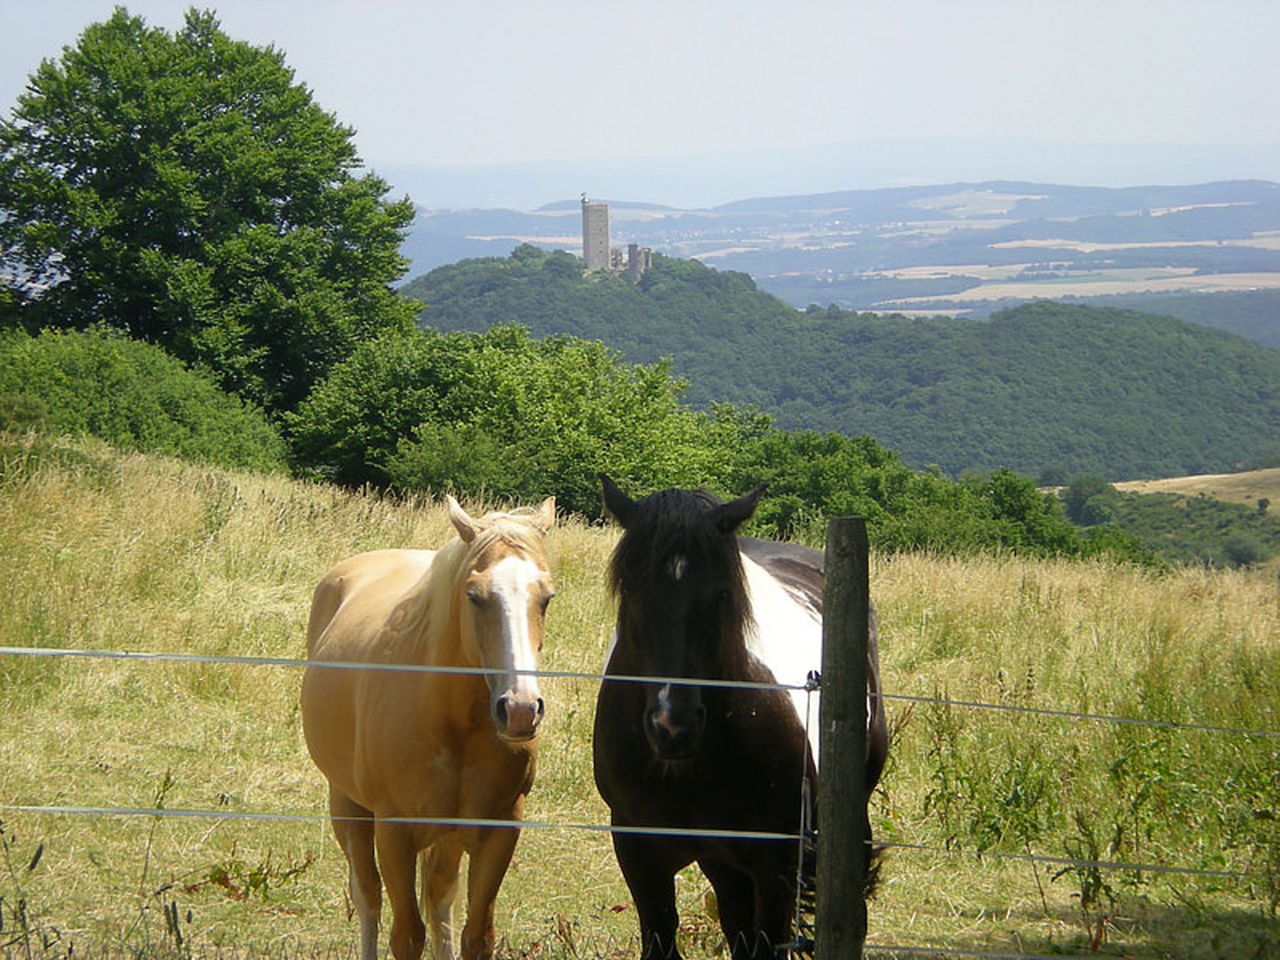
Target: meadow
(1247, 487)
(110, 551)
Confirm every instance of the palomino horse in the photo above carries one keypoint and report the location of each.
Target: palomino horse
(697, 602)
(399, 745)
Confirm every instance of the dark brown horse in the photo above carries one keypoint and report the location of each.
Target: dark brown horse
(695, 601)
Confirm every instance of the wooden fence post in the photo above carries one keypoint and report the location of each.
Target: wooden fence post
(841, 913)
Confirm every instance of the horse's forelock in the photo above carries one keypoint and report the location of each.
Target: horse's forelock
(512, 530)
(679, 523)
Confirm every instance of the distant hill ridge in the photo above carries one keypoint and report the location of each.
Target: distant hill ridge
(1042, 199)
(964, 248)
(1046, 388)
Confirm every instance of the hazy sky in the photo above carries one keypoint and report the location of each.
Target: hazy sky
(459, 82)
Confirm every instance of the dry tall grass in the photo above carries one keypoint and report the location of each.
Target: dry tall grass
(106, 551)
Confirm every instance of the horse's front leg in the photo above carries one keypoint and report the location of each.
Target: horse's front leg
(775, 901)
(649, 867)
(398, 858)
(353, 825)
(489, 862)
(439, 889)
(735, 903)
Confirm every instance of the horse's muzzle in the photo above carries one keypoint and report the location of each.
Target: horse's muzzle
(517, 718)
(673, 726)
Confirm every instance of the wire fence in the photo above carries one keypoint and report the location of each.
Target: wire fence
(296, 663)
(811, 684)
(177, 813)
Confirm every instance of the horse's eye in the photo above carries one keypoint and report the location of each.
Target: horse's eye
(475, 596)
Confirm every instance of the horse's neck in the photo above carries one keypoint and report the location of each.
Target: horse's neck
(786, 636)
(435, 635)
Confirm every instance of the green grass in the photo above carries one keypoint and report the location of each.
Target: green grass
(126, 552)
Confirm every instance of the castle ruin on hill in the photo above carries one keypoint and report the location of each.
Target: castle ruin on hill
(596, 250)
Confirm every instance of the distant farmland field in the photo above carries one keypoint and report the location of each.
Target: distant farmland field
(1102, 284)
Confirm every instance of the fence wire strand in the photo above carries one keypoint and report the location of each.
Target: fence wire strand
(296, 663)
(424, 668)
(179, 813)
(1093, 717)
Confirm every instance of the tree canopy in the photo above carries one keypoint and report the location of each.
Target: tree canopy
(185, 189)
(499, 413)
(505, 415)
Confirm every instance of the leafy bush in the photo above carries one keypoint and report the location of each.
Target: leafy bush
(813, 476)
(502, 413)
(20, 412)
(132, 395)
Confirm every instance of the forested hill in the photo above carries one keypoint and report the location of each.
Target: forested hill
(705, 318)
(1046, 387)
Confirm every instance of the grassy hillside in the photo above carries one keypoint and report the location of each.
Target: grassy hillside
(127, 552)
(1043, 387)
(1222, 520)
(1246, 487)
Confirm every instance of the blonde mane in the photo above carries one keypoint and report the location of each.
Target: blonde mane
(435, 596)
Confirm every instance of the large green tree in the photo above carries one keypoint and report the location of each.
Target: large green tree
(184, 188)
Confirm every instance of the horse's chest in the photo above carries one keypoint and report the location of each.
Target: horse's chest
(752, 753)
(462, 776)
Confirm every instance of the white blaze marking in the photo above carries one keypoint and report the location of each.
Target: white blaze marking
(664, 698)
(510, 583)
(679, 567)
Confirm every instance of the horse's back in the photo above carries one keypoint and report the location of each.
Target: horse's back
(355, 598)
(786, 584)
(798, 570)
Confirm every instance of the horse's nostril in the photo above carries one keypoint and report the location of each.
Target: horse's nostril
(516, 717)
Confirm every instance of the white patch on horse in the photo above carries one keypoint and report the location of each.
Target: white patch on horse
(786, 636)
(511, 581)
(678, 567)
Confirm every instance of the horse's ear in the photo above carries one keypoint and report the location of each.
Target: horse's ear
(617, 503)
(730, 516)
(462, 521)
(545, 518)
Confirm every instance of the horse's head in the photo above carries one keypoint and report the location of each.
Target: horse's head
(682, 604)
(506, 586)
